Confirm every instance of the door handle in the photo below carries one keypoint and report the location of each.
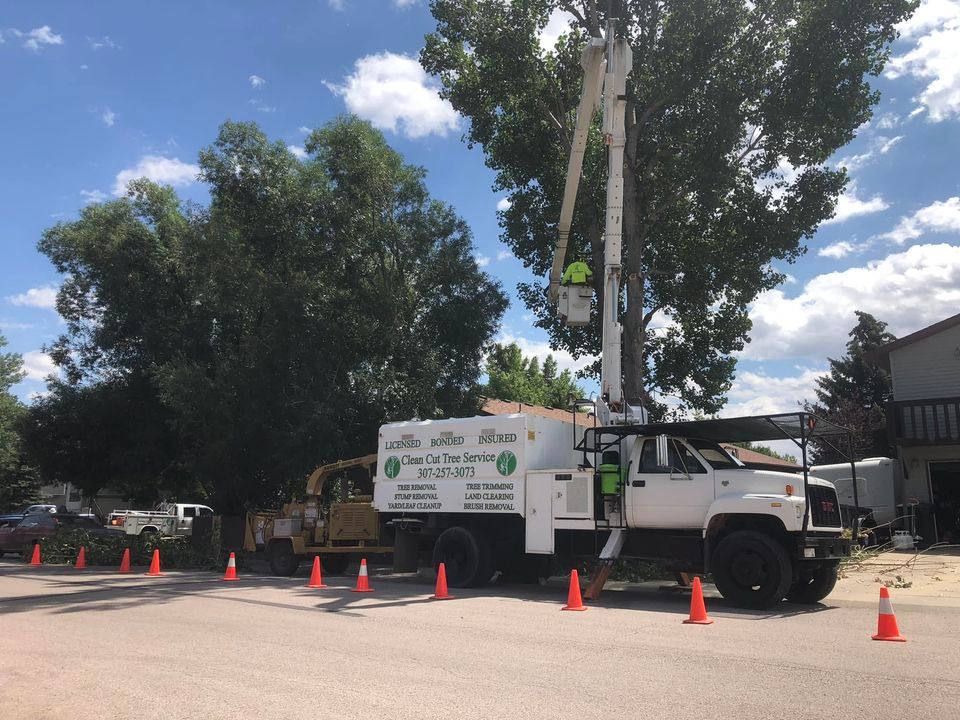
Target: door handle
(639, 483)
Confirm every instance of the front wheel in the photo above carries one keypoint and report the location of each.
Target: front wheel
(283, 561)
(814, 585)
(751, 570)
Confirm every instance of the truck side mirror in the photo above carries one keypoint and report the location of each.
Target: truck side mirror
(663, 452)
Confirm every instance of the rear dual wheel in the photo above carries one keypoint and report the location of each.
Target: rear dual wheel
(466, 555)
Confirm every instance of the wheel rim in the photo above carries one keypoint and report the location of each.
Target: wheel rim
(749, 571)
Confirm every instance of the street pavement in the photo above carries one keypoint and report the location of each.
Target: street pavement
(94, 644)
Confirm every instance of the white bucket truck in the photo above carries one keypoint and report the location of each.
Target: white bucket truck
(509, 492)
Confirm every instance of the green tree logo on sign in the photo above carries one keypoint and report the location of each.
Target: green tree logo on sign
(506, 463)
(391, 467)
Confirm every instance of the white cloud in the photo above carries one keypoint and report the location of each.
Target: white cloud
(93, 196)
(941, 216)
(482, 260)
(298, 150)
(104, 42)
(888, 121)
(557, 24)
(159, 169)
(38, 365)
(757, 393)
(935, 57)
(404, 3)
(267, 108)
(108, 117)
(880, 145)
(256, 81)
(849, 205)
(541, 349)
(38, 37)
(503, 204)
(842, 249)
(909, 290)
(504, 254)
(393, 92)
(41, 297)
(335, 4)
(304, 129)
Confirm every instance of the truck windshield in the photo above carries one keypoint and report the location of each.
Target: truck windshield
(715, 455)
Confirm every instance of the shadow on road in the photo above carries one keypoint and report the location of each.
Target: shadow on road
(66, 590)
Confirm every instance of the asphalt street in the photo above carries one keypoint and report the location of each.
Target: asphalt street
(94, 644)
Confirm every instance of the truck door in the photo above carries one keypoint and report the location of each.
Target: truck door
(185, 525)
(658, 498)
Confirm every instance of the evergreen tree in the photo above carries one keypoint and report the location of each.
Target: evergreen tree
(855, 394)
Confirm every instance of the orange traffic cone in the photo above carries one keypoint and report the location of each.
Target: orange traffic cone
(574, 601)
(231, 573)
(81, 563)
(363, 581)
(155, 564)
(698, 611)
(887, 622)
(125, 561)
(35, 560)
(316, 580)
(441, 592)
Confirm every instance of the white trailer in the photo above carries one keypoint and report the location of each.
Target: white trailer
(877, 480)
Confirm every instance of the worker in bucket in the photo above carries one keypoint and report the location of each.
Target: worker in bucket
(577, 273)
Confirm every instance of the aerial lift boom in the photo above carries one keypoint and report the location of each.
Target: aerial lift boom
(606, 63)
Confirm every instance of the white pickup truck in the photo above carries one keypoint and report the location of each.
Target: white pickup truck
(165, 519)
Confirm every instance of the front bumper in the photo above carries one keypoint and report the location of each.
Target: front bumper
(829, 547)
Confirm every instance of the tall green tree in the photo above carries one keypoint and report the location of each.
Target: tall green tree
(855, 394)
(225, 351)
(19, 483)
(734, 107)
(516, 378)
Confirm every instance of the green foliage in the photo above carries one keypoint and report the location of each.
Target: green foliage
(515, 378)
(222, 353)
(175, 552)
(855, 393)
(769, 452)
(19, 482)
(722, 95)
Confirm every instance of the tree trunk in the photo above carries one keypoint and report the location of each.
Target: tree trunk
(634, 237)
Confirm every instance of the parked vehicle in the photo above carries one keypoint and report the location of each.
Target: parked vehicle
(877, 480)
(22, 536)
(166, 519)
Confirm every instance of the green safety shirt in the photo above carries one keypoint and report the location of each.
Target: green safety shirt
(576, 274)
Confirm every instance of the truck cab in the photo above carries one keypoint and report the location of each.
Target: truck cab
(763, 534)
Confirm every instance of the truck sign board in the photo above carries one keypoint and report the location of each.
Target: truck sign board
(463, 465)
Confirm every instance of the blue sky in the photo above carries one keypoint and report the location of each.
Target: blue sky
(96, 94)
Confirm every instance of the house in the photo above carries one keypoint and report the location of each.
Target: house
(924, 423)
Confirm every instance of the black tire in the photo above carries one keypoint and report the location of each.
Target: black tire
(466, 555)
(814, 585)
(283, 561)
(335, 563)
(148, 533)
(751, 570)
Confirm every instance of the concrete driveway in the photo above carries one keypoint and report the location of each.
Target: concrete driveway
(92, 644)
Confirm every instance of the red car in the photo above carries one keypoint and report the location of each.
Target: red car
(21, 537)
